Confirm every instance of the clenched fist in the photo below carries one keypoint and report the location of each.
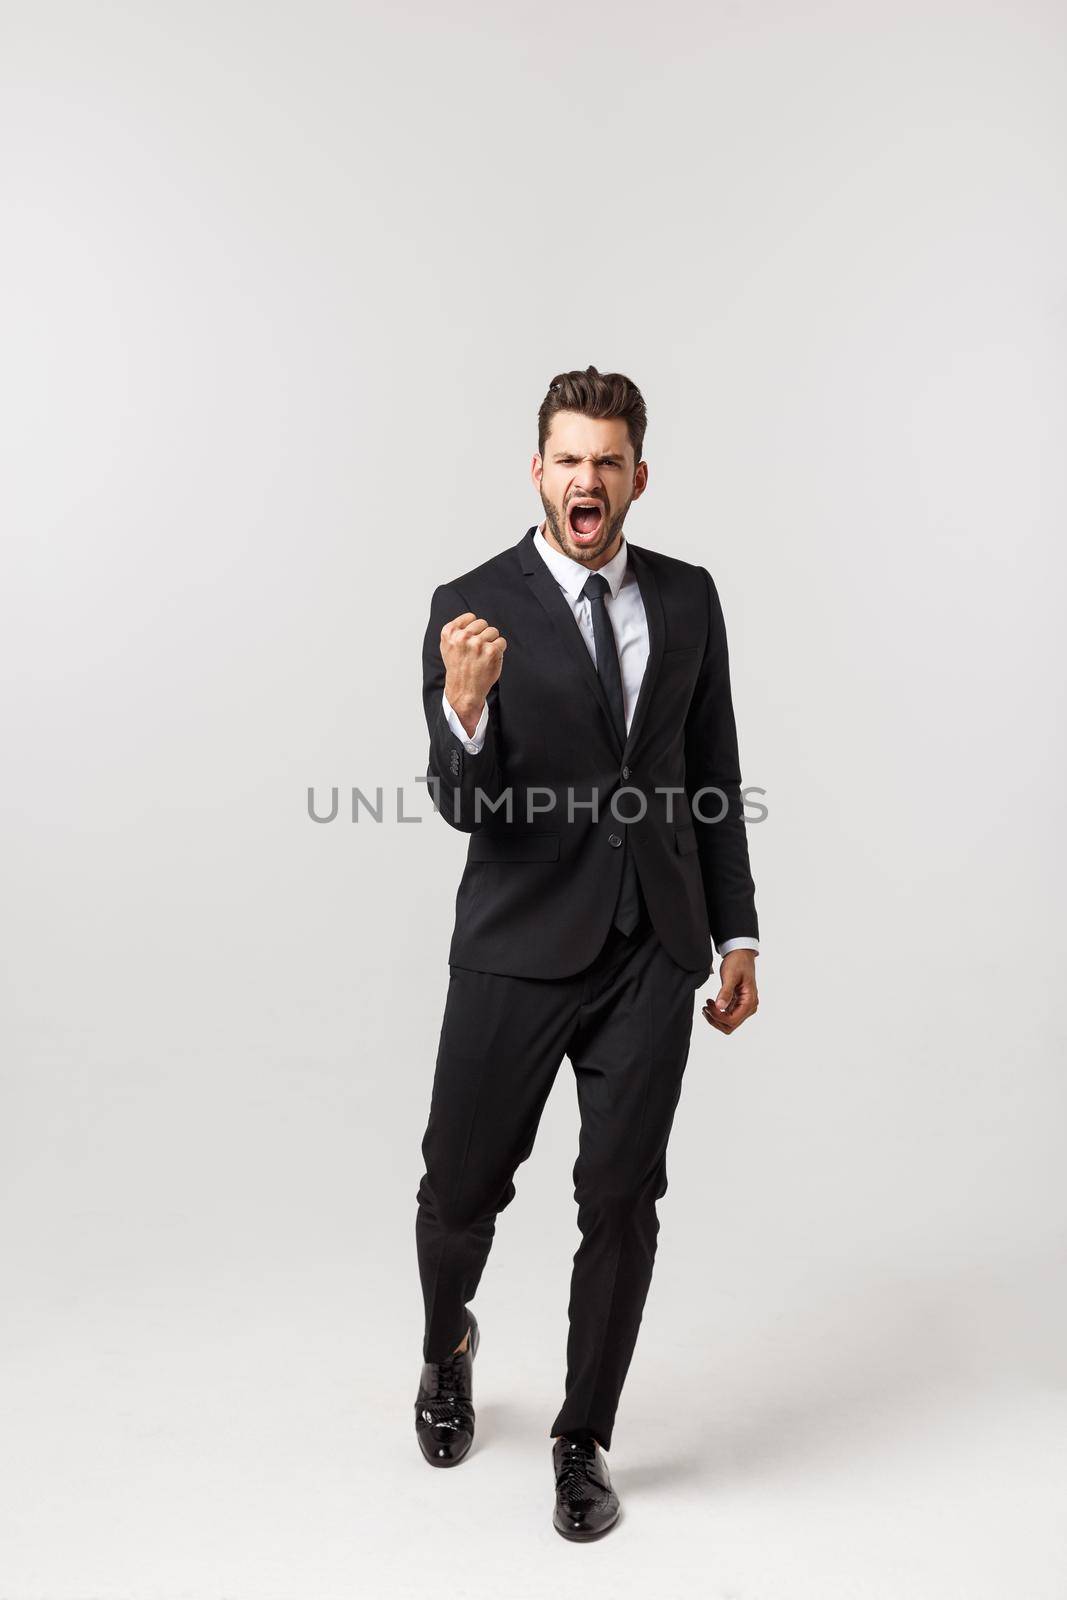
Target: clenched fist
(473, 654)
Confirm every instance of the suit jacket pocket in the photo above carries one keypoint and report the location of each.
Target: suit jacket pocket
(685, 838)
(513, 847)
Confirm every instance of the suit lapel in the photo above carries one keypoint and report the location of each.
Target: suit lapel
(568, 634)
(646, 582)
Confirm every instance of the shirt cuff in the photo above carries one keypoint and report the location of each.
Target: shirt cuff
(472, 742)
(742, 943)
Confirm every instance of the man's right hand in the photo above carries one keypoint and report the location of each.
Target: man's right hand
(473, 654)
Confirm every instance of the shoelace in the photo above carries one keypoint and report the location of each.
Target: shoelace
(451, 1406)
(578, 1457)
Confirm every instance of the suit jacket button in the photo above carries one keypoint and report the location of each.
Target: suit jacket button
(626, 772)
(614, 840)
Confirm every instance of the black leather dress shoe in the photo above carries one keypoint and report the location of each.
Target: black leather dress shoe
(586, 1504)
(444, 1410)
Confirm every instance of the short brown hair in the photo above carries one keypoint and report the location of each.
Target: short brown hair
(594, 394)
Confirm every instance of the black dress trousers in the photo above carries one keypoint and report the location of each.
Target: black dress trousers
(625, 1022)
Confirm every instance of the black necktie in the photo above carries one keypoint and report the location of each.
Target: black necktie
(607, 654)
(628, 906)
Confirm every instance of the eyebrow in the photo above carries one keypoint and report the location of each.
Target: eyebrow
(569, 455)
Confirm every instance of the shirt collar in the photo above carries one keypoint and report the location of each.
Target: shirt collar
(571, 575)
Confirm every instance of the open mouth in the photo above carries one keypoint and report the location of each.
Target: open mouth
(584, 518)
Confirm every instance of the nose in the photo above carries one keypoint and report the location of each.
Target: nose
(587, 479)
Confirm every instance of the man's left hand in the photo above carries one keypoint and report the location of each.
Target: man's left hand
(737, 997)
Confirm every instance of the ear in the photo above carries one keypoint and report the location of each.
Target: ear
(537, 467)
(640, 479)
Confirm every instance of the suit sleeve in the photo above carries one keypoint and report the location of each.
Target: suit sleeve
(455, 776)
(712, 763)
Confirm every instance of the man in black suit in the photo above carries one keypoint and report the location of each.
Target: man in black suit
(577, 695)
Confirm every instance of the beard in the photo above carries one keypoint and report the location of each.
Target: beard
(610, 528)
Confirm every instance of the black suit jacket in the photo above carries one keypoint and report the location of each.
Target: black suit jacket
(538, 892)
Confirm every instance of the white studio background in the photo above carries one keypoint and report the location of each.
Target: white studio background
(283, 288)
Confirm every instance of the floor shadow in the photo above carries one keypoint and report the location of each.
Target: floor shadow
(845, 1361)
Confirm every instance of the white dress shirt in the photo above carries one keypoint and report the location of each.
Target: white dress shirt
(626, 612)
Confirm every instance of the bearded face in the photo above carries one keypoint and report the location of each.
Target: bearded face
(587, 483)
